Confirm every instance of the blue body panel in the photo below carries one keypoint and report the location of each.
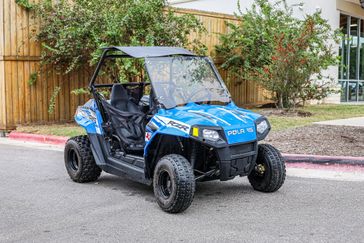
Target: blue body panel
(238, 124)
(88, 116)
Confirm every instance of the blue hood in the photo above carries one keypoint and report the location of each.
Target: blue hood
(238, 124)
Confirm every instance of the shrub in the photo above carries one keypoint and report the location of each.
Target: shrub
(286, 55)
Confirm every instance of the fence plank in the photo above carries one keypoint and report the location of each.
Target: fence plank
(2, 37)
(9, 108)
(3, 112)
(7, 27)
(33, 94)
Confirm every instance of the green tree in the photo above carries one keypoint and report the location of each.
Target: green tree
(286, 55)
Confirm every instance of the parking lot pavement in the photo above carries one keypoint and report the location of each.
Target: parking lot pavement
(39, 203)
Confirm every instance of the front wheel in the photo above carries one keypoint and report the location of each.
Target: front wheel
(174, 183)
(270, 171)
(79, 160)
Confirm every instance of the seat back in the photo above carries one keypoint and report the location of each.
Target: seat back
(119, 97)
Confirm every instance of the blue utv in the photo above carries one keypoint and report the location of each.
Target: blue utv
(177, 127)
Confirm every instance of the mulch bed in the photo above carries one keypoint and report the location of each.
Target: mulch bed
(320, 140)
(285, 113)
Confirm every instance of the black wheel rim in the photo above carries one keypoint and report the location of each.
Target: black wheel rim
(165, 184)
(73, 160)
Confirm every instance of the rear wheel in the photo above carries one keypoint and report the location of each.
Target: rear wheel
(270, 170)
(79, 161)
(174, 183)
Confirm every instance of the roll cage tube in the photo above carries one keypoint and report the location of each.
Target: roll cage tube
(92, 85)
(99, 65)
(141, 52)
(136, 52)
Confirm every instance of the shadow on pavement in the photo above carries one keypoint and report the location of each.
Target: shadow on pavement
(205, 191)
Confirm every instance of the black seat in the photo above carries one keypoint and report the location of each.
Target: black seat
(126, 119)
(121, 100)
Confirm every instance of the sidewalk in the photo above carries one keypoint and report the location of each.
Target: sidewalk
(353, 122)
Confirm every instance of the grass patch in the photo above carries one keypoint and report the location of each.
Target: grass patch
(319, 113)
(67, 129)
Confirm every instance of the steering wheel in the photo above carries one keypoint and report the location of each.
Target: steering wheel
(198, 92)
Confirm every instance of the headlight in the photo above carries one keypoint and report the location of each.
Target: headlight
(262, 126)
(210, 134)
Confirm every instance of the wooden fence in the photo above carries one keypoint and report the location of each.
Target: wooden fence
(22, 103)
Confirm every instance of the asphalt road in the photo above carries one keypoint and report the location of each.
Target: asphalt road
(39, 203)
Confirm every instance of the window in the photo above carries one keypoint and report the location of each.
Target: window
(351, 50)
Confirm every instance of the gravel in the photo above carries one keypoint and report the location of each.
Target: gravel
(320, 140)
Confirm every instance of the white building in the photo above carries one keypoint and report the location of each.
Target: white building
(345, 14)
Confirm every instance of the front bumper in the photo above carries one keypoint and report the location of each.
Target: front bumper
(237, 160)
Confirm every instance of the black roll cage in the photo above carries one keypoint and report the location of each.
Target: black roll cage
(129, 52)
(134, 52)
(138, 52)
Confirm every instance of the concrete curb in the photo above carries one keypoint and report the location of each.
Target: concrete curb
(47, 139)
(321, 159)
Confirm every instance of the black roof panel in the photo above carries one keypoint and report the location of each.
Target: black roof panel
(151, 51)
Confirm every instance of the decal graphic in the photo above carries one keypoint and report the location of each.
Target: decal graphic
(207, 115)
(148, 136)
(178, 125)
(173, 123)
(242, 114)
(233, 114)
(250, 129)
(236, 132)
(152, 126)
(239, 131)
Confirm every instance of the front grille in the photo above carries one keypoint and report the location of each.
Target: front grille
(242, 148)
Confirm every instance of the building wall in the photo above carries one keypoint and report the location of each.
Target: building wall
(350, 7)
(328, 7)
(218, 6)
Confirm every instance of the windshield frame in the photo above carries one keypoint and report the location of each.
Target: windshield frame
(208, 61)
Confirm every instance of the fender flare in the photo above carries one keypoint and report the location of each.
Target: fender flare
(152, 148)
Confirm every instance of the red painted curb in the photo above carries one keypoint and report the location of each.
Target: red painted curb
(322, 159)
(331, 167)
(48, 139)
